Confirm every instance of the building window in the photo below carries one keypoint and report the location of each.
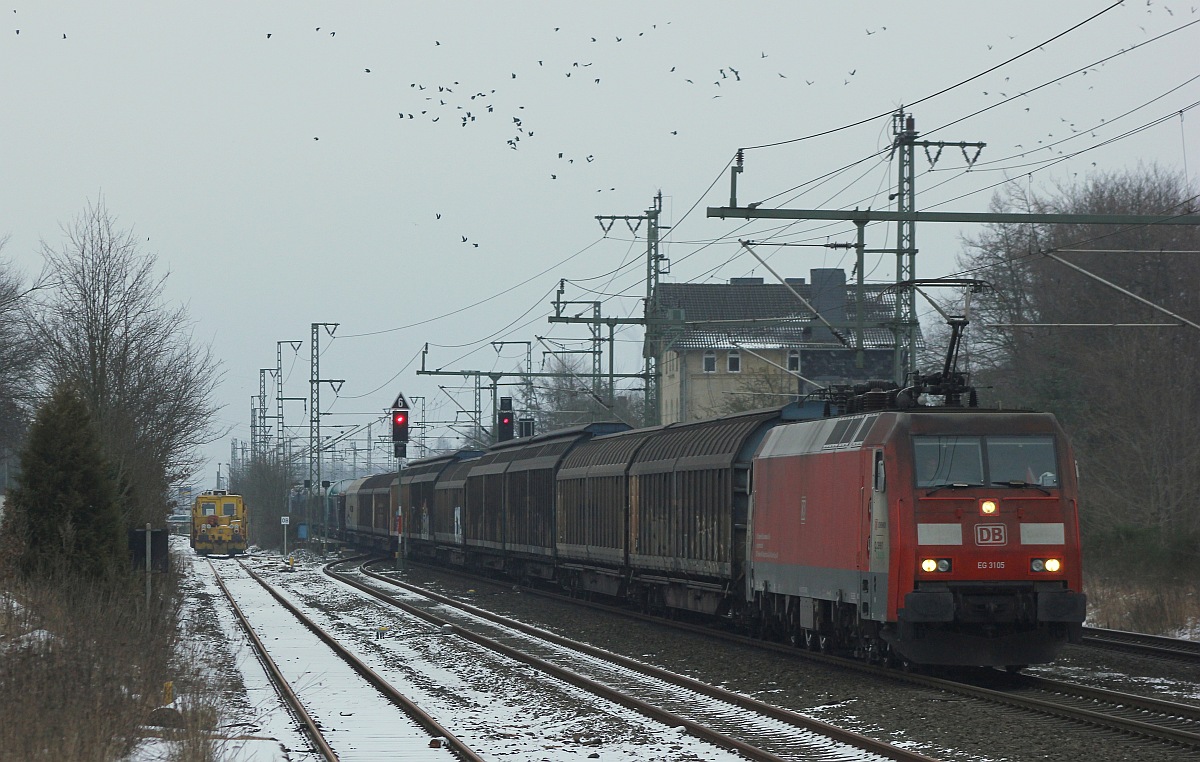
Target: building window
(710, 362)
(734, 362)
(793, 360)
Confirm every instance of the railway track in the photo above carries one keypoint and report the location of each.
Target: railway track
(343, 681)
(754, 729)
(1144, 645)
(1137, 717)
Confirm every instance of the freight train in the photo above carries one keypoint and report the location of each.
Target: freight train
(219, 523)
(901, 533)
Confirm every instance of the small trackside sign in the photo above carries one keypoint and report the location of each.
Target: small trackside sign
(991, 534)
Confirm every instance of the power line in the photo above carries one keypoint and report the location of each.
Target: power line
(943, 90)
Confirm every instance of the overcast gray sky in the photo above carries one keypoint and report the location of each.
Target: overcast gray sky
(299, 162)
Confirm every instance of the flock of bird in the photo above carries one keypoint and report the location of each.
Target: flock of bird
(451, 104)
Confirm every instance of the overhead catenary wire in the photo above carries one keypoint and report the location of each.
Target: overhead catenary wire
(499, 293)
(609, 293)
(835, 172)
(944, 90)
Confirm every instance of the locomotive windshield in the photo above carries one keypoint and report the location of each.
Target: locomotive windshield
(944, 460)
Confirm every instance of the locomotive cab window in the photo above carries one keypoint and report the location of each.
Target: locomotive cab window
(975, 461)
(208, 509)
(948, 460)
(1028, 459)
(228, 509)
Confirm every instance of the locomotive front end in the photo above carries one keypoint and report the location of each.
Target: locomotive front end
(993, 559)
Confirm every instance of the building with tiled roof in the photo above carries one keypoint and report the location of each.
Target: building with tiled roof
(724, 346)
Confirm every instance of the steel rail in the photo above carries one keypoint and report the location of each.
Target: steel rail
(1142, 643)
(789, 717)
(419, 715)
(1090, 717)
(277, 678)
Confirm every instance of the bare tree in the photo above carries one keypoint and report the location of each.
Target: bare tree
(569, 399)
(762, 386)
(1126, 394)
(105, 326)
(18, 356)
(266, 484)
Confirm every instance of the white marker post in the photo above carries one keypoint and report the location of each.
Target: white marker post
(284, 521)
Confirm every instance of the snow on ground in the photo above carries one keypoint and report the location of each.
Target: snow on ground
(257, 726)
(436, 671)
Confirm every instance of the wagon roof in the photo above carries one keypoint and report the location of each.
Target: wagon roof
(378, 481)
(428, 469)
(455, 474)
(603, 454)
(716, 443)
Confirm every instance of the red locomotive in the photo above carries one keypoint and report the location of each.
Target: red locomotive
(922, 535)
(933, 536)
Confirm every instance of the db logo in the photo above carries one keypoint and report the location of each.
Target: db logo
(990, 534)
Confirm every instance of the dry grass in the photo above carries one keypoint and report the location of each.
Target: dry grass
(82, 668)
(1168, 607)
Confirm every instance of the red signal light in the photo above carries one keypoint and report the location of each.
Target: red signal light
(399, 426)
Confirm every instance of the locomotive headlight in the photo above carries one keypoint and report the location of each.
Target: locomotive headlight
(987, 507)
(929, 565)
(943, 564)
(1045, 565)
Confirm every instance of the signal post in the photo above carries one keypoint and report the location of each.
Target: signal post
(400, 420)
